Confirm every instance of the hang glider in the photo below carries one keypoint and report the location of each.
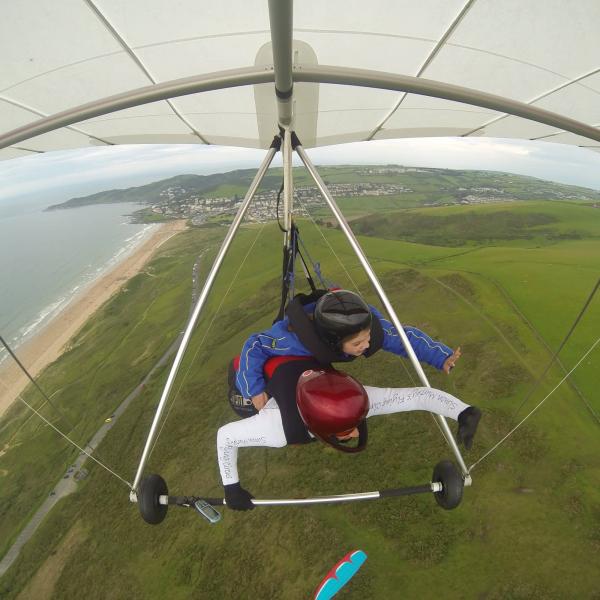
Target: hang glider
(270, 75)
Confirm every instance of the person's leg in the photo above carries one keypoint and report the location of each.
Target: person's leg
(385, 401)
(263, 429)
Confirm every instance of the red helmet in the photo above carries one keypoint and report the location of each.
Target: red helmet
(330, 403)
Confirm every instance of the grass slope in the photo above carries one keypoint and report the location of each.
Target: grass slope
(526, 529)
(513, 224)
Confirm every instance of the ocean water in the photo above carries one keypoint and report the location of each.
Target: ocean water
(47, 258)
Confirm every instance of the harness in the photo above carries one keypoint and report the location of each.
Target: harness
(282, 372)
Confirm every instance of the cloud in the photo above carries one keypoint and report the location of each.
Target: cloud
(109, 165)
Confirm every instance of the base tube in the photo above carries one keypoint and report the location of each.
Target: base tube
(408, 491)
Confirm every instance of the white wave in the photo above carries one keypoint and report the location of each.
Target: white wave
(87, 279)
(3, 354)
(43, 317)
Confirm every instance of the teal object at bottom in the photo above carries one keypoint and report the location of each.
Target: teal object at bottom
(340, 575)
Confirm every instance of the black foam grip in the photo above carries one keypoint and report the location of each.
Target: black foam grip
(189, 500)
(407, 491)
(215, 501)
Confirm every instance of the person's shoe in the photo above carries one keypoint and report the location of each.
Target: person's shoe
(467, 426)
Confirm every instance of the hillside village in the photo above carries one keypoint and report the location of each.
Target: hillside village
(215, 198)
(177, 203)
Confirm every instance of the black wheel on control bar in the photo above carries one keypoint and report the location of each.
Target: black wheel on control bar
(446, 473)
(148, 496)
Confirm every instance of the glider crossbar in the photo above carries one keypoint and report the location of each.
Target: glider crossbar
(390, 493)
(307, 74)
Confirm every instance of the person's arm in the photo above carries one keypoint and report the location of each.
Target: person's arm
(259, 347)
(264, 429)
(427, 350)
(276, 341)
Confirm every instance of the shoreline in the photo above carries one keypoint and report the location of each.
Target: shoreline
(49, 343)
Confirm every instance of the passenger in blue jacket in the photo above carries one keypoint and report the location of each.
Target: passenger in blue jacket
(338, 326)
(318, 330)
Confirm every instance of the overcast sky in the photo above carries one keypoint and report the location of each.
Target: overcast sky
(62, 175)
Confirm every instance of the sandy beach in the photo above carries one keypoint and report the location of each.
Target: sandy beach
(50, 342)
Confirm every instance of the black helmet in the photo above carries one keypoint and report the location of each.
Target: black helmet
(340, 314)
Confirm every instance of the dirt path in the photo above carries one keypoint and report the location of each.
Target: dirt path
(43, 582)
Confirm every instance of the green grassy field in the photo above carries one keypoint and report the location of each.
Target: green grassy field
(519, 223)
(528, 528)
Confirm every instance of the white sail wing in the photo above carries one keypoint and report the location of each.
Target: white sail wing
(58, 56)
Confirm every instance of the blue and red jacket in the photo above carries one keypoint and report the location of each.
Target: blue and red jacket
(279, 340)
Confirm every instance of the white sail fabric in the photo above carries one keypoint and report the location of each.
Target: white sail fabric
(57, 55)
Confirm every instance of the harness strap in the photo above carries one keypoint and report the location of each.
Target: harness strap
(316, 267)
(307, 274)
(271, 365)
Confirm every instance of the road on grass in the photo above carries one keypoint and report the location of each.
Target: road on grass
(68, 482)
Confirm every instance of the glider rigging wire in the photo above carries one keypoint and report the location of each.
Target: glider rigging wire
(127, 483)
(555, 356)
(39, 389)
(539, 404)
(35, 411)
(316, 266)
(354, 284)
(201, 344)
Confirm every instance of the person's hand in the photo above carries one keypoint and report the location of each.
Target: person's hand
(237, 497)
(451, 361)
(260, 400)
